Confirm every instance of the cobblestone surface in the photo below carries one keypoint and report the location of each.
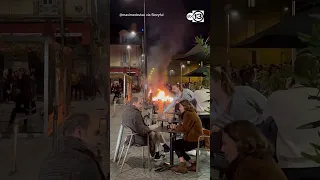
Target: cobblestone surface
(133, 168)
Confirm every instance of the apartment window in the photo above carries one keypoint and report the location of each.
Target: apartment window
(125, 58)
(124, 40)
(254, 57)
(251, 3)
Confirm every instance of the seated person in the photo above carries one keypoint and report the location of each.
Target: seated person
(191, 127)
(73, 159)
(132, 119)
(249, 153)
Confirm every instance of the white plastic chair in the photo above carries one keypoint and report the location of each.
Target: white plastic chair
(201, 138)
(130, 135)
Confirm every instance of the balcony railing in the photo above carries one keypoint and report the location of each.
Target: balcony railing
(39, 9)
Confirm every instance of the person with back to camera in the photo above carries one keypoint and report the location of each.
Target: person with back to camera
(191, 127)
(249, 153)
(231, 103)
(290, 109)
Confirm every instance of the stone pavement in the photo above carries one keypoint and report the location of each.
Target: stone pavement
(133, 169)
(31, 152)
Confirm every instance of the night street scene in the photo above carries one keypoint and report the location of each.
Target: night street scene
(145, 89)
(158, 66)
(54, 65)
(265, 88)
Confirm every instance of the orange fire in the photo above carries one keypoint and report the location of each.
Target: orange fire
(161, 96)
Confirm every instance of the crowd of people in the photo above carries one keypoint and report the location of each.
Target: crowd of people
(19, 86)
(257, 137)
(257, 76)
(14, 82)
(84, 86)
(260, 139)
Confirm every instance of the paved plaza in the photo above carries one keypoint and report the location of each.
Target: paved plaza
(31, 152)
(133, 168)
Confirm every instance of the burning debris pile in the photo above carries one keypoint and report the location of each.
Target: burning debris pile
(160, 100)
(161, 96)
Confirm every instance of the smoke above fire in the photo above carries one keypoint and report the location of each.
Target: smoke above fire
(169, 32)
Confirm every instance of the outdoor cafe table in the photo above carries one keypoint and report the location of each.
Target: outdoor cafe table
(169, 121)
(172, 136)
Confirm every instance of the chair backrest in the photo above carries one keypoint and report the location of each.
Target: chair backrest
(206, 140)
(128, 131)
(128, 134)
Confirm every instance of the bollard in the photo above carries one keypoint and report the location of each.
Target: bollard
(14, 150)
(118, 143)
(114, 108)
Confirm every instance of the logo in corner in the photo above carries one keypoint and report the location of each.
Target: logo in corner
(196, 16)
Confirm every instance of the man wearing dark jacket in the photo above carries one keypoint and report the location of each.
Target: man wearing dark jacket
(73, 160)
(132, 119)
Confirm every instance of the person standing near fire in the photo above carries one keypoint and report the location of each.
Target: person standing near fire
(180, 94)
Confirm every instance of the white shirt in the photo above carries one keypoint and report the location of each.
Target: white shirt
(291, 109)
(202, 97)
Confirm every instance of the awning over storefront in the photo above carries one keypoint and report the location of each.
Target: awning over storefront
(75, 29)
(200, 72)
(284, 34)
(132, 71)
(194, 54)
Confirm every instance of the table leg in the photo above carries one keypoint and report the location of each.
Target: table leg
(171, 149)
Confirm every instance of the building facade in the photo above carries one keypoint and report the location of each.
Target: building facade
(126, 55)
(247, 17)
(42, 18)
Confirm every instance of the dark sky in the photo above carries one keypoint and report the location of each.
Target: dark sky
(173, 27)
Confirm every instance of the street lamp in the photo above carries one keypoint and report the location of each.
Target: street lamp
(230, 14)
(171, 73)
(128, 49)
(133, 33)
(144, 42)
(181, 67)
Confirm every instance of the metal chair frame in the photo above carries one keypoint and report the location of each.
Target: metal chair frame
(202, 137)
(131, 135)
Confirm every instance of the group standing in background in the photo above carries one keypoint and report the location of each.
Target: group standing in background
(276, 117)
(82, 86)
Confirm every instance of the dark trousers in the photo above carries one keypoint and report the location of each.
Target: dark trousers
(116, 95)
(181, 146)
(96, 90)
(19, 109)
(302, 173)
(205, 119)
(76, 90)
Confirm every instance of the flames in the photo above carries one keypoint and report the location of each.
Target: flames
(161, 96)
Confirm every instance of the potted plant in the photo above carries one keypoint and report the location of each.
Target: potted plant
(313, 80)
(206, 49)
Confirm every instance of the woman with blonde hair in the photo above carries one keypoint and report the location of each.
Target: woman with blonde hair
(191, 127)
(249, 153)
